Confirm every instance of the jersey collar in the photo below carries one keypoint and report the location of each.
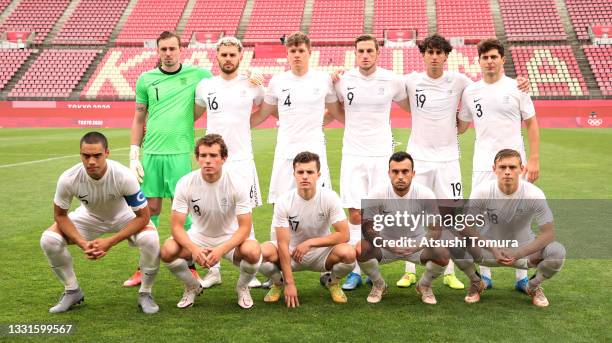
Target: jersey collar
(171, 73)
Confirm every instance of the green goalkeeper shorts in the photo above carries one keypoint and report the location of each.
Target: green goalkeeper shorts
(162, 172)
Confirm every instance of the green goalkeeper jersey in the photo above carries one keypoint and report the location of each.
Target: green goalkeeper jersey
(170, 99)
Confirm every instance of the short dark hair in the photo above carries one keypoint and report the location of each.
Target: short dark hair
(400, 156)
(365, 38)
(297, 38)
(306, 157)
(210, 140)
(435, 41)
(94, 137)
(168, 34)
(490, 44)
(507, 153)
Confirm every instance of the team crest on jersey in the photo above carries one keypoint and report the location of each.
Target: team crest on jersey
(381, 91)
(321, 216)
(243, 93)
(316, 91)
(506, 99)
(223, 202)
(450, 92)
(183, 81)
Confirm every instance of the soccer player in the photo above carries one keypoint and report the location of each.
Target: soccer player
(302, 218)
(228, 100)
(401, 195)
(299, 97)
(165, 104)
(367, 93)
(222, 226)
(498, 109)
(111, 202)
(508, 205)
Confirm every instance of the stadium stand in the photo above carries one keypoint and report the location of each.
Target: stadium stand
(470, 19)
(54, 74)
(214, 16)
(588, 12)
(601, 65)
(551, 70)
(92, 22)
(12, 61)
(272, 18)
(148, 19)
(336, 21)
(4, 4)
(400, 14)
(534, 20)
(35, 15)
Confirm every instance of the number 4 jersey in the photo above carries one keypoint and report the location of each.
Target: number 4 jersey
(497, 110)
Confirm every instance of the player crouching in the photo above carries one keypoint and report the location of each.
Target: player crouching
(111, 202)
(508, 206)
(222, 227)
(302, 218)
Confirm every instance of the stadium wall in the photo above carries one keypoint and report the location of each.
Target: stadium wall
(119, 114)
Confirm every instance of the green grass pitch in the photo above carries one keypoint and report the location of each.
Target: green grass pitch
(575, 164)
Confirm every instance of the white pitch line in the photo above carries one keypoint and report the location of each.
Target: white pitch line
(45, 160)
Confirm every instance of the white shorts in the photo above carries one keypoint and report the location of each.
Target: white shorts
(443, 178)
(247, 171)
(359, 175)
(213, 242)
(314, 260)
(388, 257)
(90, 227)
(283, 181)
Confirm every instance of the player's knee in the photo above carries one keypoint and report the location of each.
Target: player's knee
(52, 242)
(250, 251)
(167, 253)
(148, 240)
(269, 252)
(555, 251)
(347, 253)
(365, 251)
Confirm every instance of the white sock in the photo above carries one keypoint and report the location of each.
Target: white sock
(54, 246)
(148, 243)
(432, 271)
(272, 272)
(371, 269)
(485, 271)
(340, 270)
(450, 268)
(410, 267)
(520, 274)
(180, 269)
(355, 236)
(247, 272)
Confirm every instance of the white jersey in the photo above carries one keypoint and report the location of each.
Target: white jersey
(108, 199)
(301, 105)
(307, 218)
(228, 106)
(214, 207)
(419, 201)
(433, 105)
(509, 217)
(497, 110)
(367, 107)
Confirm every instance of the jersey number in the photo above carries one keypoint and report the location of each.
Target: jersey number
(157, 93)
(288, 100)
(294, 223)
(350, 96)
(212, 104)
(420, 100)
(456, 187)
(479, 110)
(493, 218)
(196, 210)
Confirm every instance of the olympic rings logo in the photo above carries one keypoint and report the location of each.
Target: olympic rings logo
(595, 121)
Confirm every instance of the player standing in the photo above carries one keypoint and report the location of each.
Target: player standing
(401, 195)
(302, 218)
(165, 104)
(367, 93)
(228, 100)
(111, 202)
(222, 225)
(509, 205)
(498, 109)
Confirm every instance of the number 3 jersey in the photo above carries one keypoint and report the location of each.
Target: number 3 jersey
(228, 111)
(307, 218)
(497, 110)
(213, 206)
(433, 105)
(301, 104)
(108, 199)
